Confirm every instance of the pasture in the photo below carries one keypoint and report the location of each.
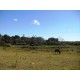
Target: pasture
(39, 58)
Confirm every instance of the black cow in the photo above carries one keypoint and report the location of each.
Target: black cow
(57, 51)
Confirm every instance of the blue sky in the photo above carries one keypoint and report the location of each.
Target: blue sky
(44, 23)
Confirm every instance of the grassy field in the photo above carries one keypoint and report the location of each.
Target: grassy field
(39, 58)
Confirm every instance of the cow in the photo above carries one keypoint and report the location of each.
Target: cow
(57, 51)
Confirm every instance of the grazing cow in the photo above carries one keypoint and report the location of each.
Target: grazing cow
(57, 51)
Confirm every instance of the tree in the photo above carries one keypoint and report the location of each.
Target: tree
(40, 41)
(6, 38)
(15, 39)
(52, 41)
(2, 42)
(36, 41)
(23, 40)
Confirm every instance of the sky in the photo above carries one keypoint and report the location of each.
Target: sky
(62, 24)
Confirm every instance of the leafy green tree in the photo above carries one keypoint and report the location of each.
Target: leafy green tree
(6, 38)
(52, 41)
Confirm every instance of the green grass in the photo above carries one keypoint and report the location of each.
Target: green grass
(42, 58)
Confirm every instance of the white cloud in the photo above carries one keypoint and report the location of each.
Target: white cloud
(36, 22)
(16, 19)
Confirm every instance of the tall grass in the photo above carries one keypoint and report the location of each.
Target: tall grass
(39, 58)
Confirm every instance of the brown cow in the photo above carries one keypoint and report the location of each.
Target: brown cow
(57, 51)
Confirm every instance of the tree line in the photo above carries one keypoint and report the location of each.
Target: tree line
(17, 40)
(32, 41)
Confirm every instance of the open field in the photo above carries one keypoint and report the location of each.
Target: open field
(39, 58)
